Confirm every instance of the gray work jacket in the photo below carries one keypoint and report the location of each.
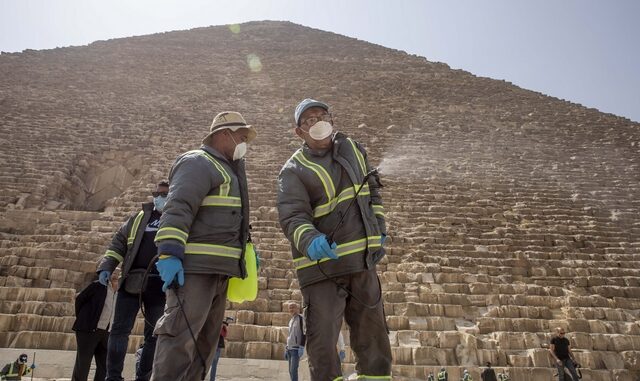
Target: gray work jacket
(314, 190)
(205, 221)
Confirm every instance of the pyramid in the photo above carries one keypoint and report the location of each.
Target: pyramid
(509, 212)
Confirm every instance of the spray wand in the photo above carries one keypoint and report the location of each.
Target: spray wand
(373, 172)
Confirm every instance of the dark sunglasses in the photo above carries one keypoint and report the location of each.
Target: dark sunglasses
(161, 194)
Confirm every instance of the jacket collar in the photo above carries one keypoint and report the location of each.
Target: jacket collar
(338, 138)
(147, 207)
(214, 152)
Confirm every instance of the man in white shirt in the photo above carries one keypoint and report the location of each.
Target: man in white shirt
(295, 341)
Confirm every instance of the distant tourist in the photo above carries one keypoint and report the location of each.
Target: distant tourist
(94, 315)
(15, 370)
(342, 354)
(431, 377)
(466, 376)
(560, 349)
(220, 348)
(335, 250)
(503, 377)
(443, 375)
(133, 248)
(296, 340)
(488, 374)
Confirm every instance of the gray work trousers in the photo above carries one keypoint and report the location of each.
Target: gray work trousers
(203, 298)
(325, 305)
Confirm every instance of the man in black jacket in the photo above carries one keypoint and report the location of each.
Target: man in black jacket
(488, 374)
(133, 246)
(94, 311)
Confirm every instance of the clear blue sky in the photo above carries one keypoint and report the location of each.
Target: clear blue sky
(585, 51)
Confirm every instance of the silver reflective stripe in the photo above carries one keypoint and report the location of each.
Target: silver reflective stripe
(225, 186)
(297, 234)
(171, 233)
(359, 156)
(346, 194)
(114, 255)
(134, 228)
(222, 201)
(209, 249)
(323, 175)
(342, 250)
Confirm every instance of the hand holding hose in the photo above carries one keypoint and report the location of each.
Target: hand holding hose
(320, 248)
(170, 268)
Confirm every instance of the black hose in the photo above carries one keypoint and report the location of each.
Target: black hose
(174, 286)
(373, 172)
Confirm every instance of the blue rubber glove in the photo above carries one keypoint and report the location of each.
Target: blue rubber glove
(170, 267)
(103, 277)
(300, 352)
(33, 366)
(342, 356)
(319, 248)
(383, 237)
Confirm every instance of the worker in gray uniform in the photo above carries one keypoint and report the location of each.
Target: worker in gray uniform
(335, 248)
(201, 243)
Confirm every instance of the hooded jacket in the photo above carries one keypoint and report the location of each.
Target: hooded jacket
(205, 221)
(314, 191)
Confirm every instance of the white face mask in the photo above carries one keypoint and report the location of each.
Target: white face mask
(239, 151)
(321, 130)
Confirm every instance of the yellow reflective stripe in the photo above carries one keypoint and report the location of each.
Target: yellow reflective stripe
(114, 255)
(338, 379)
(365, 377)
(225, 186)
(209, 249)
(171, 233)
(325, 179)
(346, 194)
(342, 250)
(359, 156)
(222, 201)
(134, 228)
(378, 209)
(297, 234)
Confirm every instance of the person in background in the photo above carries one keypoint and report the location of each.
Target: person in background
(94, 314)
(341, 348)
(15, 370)
(296, 340)
(443, 375)
(216, 357)
(133, 248)
(488, 374)
(560, 349)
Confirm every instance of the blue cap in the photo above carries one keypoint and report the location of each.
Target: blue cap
(307, 104)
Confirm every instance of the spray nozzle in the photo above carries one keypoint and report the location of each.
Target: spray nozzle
(373, 172)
